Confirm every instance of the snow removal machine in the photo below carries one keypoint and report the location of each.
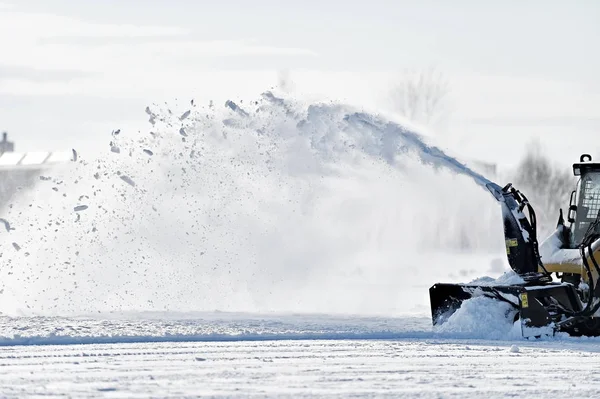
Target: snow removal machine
(558, 287)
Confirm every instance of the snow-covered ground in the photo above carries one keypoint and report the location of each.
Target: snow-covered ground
(237, 355)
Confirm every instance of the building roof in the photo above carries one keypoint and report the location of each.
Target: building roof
(33, 160)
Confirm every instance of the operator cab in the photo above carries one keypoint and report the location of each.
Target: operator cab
(584, 207)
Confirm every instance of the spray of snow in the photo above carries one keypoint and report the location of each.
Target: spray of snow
(482, 318)
(269, 205)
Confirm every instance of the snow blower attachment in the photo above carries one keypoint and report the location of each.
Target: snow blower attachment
(544, 306)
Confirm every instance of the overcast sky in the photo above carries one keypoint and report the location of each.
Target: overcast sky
(71, 71)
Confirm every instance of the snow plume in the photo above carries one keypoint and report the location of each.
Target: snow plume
(269, 205)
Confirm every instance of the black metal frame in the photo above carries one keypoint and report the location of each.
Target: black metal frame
(542, 305)
(538, 307)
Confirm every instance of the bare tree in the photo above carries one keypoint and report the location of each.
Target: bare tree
(421, 96)
(546, 184)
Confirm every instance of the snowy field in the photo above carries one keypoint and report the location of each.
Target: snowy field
(261, 226)
(229, 355)
(243, 211)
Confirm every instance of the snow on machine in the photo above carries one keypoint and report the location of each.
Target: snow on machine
(544, 305)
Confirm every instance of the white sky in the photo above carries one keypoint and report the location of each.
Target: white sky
(72, 71)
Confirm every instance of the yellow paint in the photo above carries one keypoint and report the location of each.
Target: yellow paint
(524, 300)
(511, 242)
(575, 267)
(562, 268)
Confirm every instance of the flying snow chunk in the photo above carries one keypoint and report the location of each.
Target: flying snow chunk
(148, 152)
(275, 100)
(79, 208)
(6, 224)
(74, 155)
(152, 119)
(128, 180)
(185, 115)
(183, 132)
(234, 107)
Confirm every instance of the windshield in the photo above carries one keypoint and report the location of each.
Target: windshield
(588, 206)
